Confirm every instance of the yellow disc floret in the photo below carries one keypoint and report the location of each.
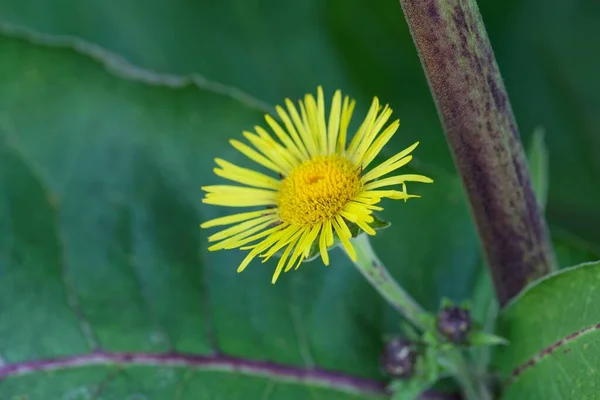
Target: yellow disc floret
(316, 190)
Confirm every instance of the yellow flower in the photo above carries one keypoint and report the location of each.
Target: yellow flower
(323, 182)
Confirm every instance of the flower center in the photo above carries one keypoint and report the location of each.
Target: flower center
(317, 190)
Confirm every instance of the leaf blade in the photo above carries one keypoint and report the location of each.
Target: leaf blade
(551, 329)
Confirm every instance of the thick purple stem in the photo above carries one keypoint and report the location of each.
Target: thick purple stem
(480, 126)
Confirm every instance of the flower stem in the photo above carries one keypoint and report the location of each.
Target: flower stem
(472, 388)
(376, 273)
(369, 265)
(482, 132)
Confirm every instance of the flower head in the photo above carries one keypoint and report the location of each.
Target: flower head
(324, 182)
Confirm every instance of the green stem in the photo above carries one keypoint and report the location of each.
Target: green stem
(472, 388)
(369, 265)
(478, 120)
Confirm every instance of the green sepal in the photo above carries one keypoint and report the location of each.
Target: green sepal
(431, 339)
(479, 338)
(379, 224)
(446, 303)
(466, 304)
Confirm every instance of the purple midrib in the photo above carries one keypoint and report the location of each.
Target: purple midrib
(319, 377)
(314, 376)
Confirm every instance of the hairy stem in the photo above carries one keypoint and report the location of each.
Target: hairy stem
(480, 127)
(369, 265)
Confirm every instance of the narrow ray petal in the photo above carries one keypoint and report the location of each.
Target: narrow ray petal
(241, 227)
(255, 156)
(322, 132)
(245, 176)
(310, 239)
(375, 172)
(379, 143)
(286, 237)
(246, 236)
(347, 110)
(285, 137)
(323, 245)
(370, 134)
(230, 219)
(365, 227)
(334, 122)
(397, 180)
(298, 250)
(282, 261)
(344, 234)
(364, 127)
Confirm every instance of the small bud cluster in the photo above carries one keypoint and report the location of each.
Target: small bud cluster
(454, 323)
(399, 358)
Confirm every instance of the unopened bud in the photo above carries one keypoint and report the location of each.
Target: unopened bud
(454, 323)
(399, 358)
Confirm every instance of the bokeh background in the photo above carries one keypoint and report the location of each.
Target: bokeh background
(110, 116)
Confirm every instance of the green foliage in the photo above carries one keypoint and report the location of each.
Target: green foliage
(537, 157)
(554, 331)
(100, 208)
(110, 115)
(479, 338)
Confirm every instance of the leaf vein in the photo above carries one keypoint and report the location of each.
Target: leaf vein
(122, 68)
(548, 351)
(315, 377)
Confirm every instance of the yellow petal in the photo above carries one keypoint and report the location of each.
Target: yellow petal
(379, 143)
(323, 245)
(334, 122)
(247, 260)
(255, 156)
(281, 263)
(364, 127)
(230, 219)
(347, 110)
(397, 180)
(341, 228)
(244, 226)
(244, 175)
(377, 171)
(245, 237)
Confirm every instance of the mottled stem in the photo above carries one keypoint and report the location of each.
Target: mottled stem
(480, 126)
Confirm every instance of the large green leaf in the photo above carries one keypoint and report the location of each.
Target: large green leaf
(102, 261)
(274, 49)
(554, 334)
(100, 179)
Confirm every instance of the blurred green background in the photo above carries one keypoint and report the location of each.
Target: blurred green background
(110, 116)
